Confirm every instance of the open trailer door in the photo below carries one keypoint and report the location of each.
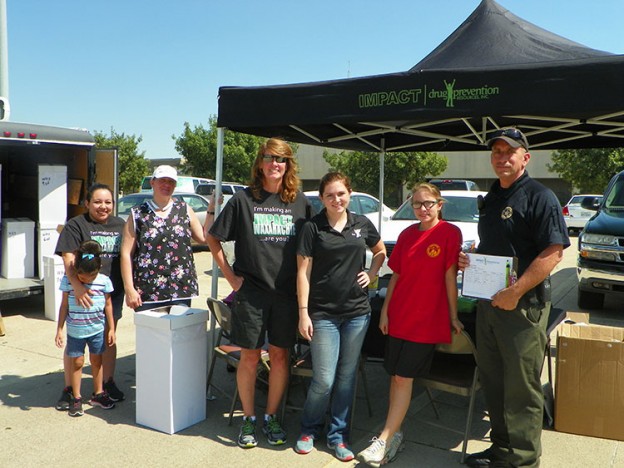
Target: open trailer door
(106, 169)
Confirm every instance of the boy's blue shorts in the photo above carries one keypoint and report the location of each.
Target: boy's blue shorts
(76, 346)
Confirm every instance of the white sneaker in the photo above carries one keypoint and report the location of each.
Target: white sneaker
(394, 447)
(374, 454)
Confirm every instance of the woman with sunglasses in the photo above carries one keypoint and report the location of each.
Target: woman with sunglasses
(419, 311)
(263, 220)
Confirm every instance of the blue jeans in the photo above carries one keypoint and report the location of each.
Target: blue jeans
(335, 346)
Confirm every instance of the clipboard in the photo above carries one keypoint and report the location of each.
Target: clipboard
(488, 274)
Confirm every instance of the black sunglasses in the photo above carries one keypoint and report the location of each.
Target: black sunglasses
(270, 157)
(512, 133)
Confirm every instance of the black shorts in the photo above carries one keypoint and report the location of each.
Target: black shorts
(408, 359)
(256, 312)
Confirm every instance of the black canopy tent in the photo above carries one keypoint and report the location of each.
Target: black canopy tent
(494, 70)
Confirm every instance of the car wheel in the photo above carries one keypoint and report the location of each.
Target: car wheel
(590, 300)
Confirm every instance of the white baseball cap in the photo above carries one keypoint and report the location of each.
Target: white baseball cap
(165, 171)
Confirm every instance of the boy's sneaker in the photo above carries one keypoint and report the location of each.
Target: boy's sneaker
(102, 400)
(342, 452)
(394, 447)
(113, 392)
(374, 454)
(75, 407)
(273, 431)
(247, 435)
(66, 398)
(305, 444)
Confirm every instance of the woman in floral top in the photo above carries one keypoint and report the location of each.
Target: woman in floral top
(156, 257)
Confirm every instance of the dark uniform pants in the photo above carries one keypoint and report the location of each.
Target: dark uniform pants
(510, 351)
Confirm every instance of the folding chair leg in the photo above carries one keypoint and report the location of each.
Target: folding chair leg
(234, 398)
(471, 404)
(432, 401)
(209, 379)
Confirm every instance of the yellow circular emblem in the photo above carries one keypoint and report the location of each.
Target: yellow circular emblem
(507, 213)
(433, 250)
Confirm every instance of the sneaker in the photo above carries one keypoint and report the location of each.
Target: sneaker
(394, 447)
(247, 435)
(305, 444)
(273, 431)
(342, 452)
(75, 407)
(374, 454)
(113, 392)
(484, 458)
(102, 400)
(66, 398)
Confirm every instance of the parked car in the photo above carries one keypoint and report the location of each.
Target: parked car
(454, 184)
(228, 189)
(186, 184)
(361, 203)
(460, 209)
(575, 215)
(600, 267)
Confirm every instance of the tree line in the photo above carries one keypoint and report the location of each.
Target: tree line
(588, 171)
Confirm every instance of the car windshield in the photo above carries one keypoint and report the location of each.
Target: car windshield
(462, 209)
(125, 203)
(614, 199)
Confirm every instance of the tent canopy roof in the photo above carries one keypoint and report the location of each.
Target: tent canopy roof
(494, 70)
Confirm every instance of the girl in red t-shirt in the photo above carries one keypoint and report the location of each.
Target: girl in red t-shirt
(419, 311)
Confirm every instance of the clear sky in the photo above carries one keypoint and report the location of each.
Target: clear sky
(144, 67)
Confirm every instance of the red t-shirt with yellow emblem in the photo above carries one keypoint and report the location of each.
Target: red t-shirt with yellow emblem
(418, 309)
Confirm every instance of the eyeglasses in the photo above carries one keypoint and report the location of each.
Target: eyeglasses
(512, 133)
(270, 157)
(427, 204)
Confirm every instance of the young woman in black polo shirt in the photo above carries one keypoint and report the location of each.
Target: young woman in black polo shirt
(334, 311)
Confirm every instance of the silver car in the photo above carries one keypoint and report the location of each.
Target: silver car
(575, 215)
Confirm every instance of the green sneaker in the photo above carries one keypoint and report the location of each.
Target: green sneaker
(273, 431)
(247, 435)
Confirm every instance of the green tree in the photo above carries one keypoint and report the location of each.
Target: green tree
(400, 169)
(132, 164)
(198, 148)
(588, 170)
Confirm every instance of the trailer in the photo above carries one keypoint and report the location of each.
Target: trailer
(26, 152)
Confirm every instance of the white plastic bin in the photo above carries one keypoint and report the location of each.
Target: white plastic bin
(171, 364)
(52, 194)
(53, 269)
(47, 237)
(18, 248)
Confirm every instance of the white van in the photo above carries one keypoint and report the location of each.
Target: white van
(185, 184)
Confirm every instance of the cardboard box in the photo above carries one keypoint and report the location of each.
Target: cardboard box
(171, 365)
(589, 392)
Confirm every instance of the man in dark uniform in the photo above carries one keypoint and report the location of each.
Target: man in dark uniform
(518, 217)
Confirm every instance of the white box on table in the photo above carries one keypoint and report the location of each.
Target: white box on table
(47, 237)
(52, 194)
(18, 247)
(171, 365)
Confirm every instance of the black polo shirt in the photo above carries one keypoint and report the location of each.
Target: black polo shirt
(337, 258)
(521, 221)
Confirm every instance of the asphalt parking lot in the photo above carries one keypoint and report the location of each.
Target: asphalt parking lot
(33, 433)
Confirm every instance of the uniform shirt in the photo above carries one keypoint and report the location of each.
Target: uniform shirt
(265, 233)
(520, 221)
(81, 228)
(418, 310)
(81, 322)
(337, 258)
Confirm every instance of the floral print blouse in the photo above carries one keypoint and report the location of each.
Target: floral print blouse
(163, 264)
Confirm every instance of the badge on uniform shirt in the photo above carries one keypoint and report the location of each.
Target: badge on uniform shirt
(433, 250)
(507, 213)
(357, 233)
